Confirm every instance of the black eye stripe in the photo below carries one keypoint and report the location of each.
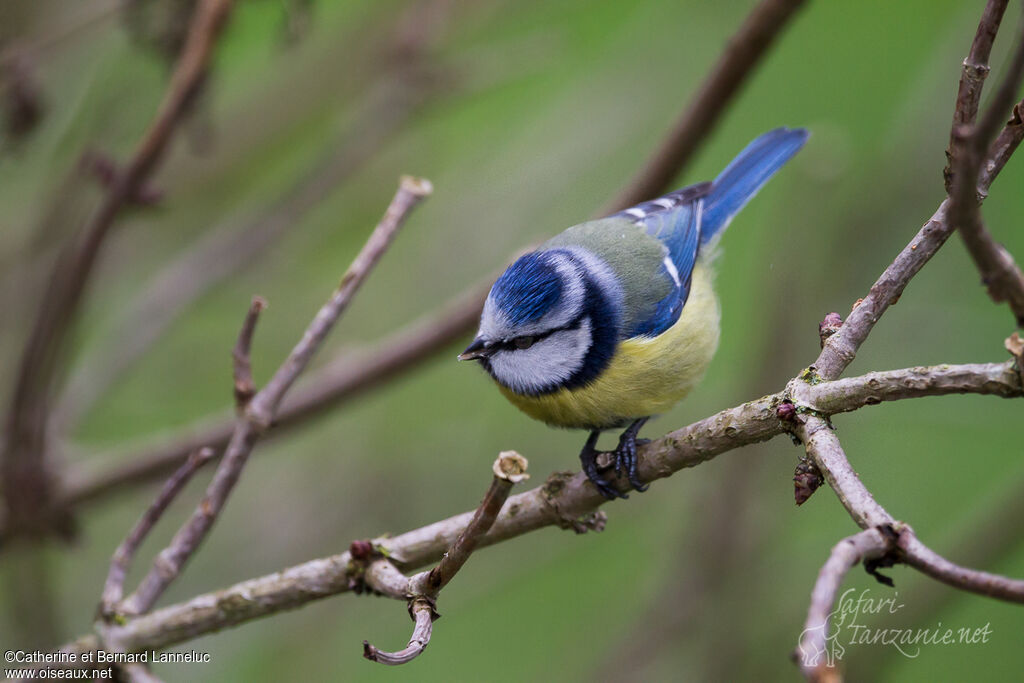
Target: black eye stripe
(510, 344)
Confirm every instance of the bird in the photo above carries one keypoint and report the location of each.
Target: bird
(615, 320)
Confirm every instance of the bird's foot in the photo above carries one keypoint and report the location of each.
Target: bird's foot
(625, 454)
(622, 460)
(588, 459)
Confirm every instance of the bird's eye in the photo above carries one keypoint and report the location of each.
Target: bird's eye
(524, 342)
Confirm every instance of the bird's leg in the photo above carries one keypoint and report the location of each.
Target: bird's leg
(625, 454)
(588, 459)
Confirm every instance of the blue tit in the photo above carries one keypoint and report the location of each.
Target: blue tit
(615, 320)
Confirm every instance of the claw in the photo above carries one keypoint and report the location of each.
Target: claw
(625, 454)
(588, 459)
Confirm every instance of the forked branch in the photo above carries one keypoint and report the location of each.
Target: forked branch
(259, 413)
(422, 590)
(113, 590)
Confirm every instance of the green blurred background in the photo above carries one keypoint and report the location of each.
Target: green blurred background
(527, 116)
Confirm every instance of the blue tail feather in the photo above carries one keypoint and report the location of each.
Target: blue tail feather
(687, 219)
(741, 179)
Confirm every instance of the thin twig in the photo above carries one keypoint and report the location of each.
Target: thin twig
(744, 51)
(1001, 104)
(27, 487)
(410, 193)
(927, 561)
(823, 447)
(423, 614)
(509, 469)
(244, 386)
(1000, 274)
(815, 659)
(1002, 149)
(261, 410)
(113, 589)
(972, 79)
(841, 348)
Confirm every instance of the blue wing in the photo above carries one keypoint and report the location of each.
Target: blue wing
(687, 219)
(675, 220)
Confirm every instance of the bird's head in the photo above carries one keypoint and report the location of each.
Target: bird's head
(537, 331)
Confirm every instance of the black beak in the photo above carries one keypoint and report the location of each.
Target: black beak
(477, 351)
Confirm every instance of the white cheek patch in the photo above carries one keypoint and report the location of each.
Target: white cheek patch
(547, 364)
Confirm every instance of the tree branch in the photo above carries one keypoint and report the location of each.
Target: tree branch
(423, 614)
(1004, 280)
(823, 447)
(967, 143)
(988, 540)
(113, 589)
(422, 590)
(509, 469)
(843, 395)
(987, 127)
(841, 348)
(265, 404)
(972, 79)
(743, 52)
(999, 272)
(848, 553)
(927, 561)
(261, 410)
(562, 501)
(26, 482)
(1002, 149)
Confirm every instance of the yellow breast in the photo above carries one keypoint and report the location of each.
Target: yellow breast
(646, 376)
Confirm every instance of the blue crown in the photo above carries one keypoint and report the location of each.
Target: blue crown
(528, 289)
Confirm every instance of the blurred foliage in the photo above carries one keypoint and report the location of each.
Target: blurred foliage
(550, 108)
